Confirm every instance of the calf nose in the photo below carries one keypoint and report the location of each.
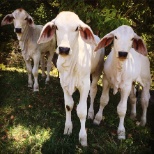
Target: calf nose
(122, 54)
(64, 50)
(18, 30)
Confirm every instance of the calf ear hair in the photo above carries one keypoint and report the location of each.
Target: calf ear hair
(30, 21)
(8, 19)
(139, 45)
(105, 41)
(86, 33)
(47, 33)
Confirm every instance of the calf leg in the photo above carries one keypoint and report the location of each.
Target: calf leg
(103, 101)
(133, 100)
(121, 109)
(145, 96)
(42, 61)
(82, 111)
(29, 70)
(93, 91)
(35, 72)
(68, 108)
(49, 65)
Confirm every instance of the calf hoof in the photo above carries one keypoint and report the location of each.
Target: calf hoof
(133, 116)
(36, 90)
(46, 82)
(30, 85)
(97, 119)
(121, 134)
(143, 122)
(68, 129)
(83, 139)
(90, 115)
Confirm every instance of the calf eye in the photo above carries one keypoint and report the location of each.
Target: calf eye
(76, 29)
(26, 18)
(115, 37)
(132, 39)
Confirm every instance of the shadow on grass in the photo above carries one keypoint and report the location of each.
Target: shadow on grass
(34, 122)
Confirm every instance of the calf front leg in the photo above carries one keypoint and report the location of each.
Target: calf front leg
(103, 101)
(121, 110)
(82, 111)
(29, 70)
(68, 108)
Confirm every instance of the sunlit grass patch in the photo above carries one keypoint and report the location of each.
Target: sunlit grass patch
(53, 72)
(22, 136)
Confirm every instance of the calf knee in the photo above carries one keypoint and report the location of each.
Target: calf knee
(82, 111)
(121, 111)
(104, 100)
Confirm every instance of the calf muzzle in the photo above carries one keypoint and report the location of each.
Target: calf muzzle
(122, 54)
(64, 50)
(17, 30)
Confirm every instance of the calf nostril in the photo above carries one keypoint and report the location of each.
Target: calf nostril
(18, 30)
(64, 50)
(122, 54)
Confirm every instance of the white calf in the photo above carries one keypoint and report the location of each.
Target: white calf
(76, 61)
(124, 66)
(28, 34)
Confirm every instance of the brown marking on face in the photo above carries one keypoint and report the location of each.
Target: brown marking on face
(68, 108)
(20, 9)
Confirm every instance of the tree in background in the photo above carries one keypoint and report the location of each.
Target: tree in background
(103, 16)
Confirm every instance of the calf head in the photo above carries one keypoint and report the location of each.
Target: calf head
(20, 18)
(123, 39)
(67, 27)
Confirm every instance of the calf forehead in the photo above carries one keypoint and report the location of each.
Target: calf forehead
(20, 14)
(125, 32)
(67, 19)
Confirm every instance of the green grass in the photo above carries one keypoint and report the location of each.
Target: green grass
(34, 122)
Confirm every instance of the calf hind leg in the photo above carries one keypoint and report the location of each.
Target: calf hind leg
(133, 99)
(103, 101)
(145, 96)
(93, 91)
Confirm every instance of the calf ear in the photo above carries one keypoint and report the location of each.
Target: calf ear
(105, 41)
(30, 21)
(47, 33)
(8, 19)
(139, 45)
(86, 33)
